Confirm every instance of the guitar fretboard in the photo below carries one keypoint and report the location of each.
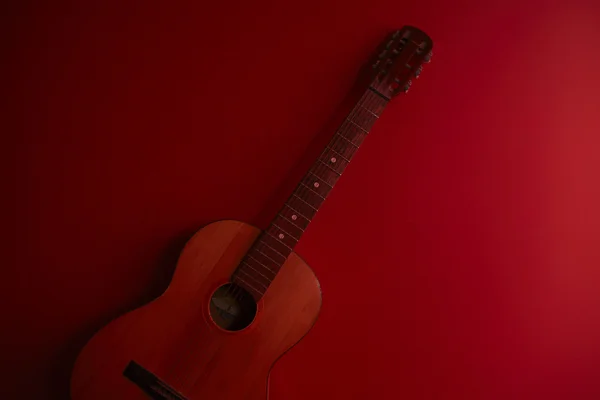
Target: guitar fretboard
(266, 256)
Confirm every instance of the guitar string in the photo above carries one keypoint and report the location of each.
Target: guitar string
(236, 292)
(367, 99)
(366, 102)
(360, 103)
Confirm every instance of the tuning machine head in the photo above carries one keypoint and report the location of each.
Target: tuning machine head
(399, 60)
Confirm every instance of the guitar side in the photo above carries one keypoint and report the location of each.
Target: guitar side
(175, 339)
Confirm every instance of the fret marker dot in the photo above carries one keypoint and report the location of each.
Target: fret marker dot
(333, 159)
(316, 184)
(294, 217)
(281, 236)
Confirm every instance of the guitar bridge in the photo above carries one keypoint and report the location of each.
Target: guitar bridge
(150, 384)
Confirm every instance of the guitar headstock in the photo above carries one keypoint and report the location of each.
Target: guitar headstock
(399, 60)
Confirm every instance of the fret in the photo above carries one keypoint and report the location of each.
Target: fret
(263, 260)
(327, 167)
(311, 189)
(275, 244)
(258, 271)
(342, 146)
(325, 173)
(298, 196)
(310, 197)
(301, 206)
(243, 283)
(268, 251)
(251, 262)
(254, 278)
(351, 133)
(363, 118)
(280, 226)
(347, 140)
(357, 125)
(323, 189)
(374, 103)
(378, 104)
(336, 154)
(294, 217)
(369, 111)
(287, 227)
(333, 161)
(272, 248)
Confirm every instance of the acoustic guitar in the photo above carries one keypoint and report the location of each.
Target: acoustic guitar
(240, 297)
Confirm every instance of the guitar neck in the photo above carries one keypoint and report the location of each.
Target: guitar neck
(260, 266)
(317, 183)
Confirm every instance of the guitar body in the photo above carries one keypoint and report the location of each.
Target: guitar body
(240, 298)
(176, 339)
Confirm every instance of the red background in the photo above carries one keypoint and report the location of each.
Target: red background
(459, 256)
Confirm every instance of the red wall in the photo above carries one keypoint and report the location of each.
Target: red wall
(459, 256)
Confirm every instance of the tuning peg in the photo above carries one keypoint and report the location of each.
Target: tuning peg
(418, 71)
(383, 54)
(428, 56)
(407, 86)
(395, 35)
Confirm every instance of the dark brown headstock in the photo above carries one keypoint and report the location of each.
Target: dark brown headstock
(399, 60)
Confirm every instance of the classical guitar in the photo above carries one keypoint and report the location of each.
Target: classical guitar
(240, 297)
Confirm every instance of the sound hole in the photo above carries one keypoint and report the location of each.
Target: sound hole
(232, 307)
